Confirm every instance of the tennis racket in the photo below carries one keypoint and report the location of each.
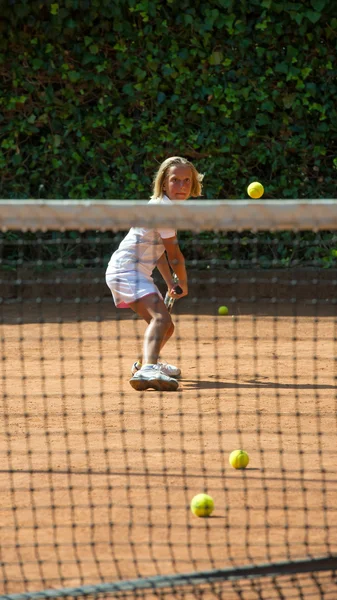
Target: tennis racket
(168, 301)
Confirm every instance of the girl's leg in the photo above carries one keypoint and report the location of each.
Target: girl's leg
(160, 327)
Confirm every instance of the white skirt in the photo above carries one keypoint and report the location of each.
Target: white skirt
(130, 286)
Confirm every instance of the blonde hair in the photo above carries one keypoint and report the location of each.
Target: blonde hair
(160, 176)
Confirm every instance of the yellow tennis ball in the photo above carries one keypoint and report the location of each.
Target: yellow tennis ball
(255, 190)
(202, 505)
(223, 310)
(238, 459)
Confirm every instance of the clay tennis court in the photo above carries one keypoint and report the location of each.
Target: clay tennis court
(96, 478)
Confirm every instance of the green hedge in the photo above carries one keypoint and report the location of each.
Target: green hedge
(96, 92)
(46, 251)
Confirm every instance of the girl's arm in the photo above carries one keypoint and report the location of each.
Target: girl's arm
(165, 271)
(177, 262)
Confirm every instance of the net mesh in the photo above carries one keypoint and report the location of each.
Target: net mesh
(96, 479)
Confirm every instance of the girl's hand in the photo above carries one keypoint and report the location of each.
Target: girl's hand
(170, 284)
(178, 290)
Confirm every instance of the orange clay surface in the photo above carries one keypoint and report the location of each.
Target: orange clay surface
(101, 476)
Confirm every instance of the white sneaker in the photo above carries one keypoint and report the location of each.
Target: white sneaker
(151, 376)
(169, 370)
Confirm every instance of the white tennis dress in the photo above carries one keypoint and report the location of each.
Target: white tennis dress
(129, 272)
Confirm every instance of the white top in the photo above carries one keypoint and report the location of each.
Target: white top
(141, 248)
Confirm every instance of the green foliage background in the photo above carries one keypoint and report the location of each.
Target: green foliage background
(95, 93)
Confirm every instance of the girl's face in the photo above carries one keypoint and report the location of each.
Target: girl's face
(178, 182)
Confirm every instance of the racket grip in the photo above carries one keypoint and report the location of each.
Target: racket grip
(178, 289)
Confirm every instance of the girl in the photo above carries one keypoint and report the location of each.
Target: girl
(130, 268)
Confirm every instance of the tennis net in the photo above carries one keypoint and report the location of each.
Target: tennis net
(96, 479)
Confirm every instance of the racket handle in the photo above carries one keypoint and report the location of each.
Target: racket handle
(170, 301)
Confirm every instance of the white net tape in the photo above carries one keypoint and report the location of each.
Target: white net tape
(43, 215)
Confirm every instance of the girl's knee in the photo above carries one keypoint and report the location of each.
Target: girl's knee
(164, 321)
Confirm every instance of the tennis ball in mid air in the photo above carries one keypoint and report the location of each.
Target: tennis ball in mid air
(239, 459)
(223, 310)
(255, 190)
(202, 505)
